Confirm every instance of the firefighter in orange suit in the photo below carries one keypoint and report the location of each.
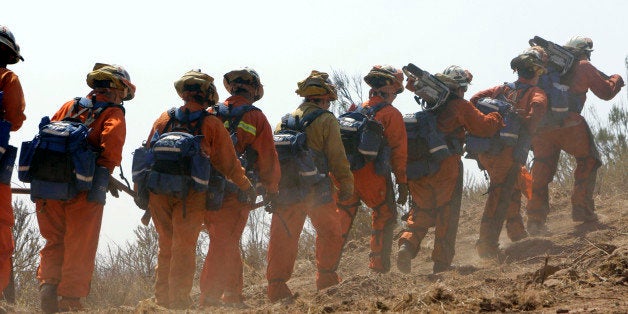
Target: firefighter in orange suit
(71, 228)
(436, 196)
(323, 136)
(178, 221)
(12, 104)
(505, 167)
(574, 137)
(253, 139)
(373, 189)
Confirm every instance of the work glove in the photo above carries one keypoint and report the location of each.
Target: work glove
(250, 195)
(402, 188)
(111, 188)
(270, 200)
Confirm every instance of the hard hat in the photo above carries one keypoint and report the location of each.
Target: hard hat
(111, 76)
(534, 56)
(580, 44)
(197, 81)
(455, 77)
(7, 39)
(246, 78)
(317, 84)
(383, 75)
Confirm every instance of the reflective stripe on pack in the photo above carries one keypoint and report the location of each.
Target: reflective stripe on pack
(438, 148)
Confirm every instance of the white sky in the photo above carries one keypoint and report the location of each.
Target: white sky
(158, 41)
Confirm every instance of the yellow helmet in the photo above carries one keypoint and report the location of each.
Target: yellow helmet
(111, 76)
(246, 78)
(383, 75)
(197, 81)
(317, 84)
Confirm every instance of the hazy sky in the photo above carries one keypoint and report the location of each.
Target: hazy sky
(158, 41)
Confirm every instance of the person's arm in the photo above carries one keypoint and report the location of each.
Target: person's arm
(477, 123)
(263, 143)
(397, 138)
(218, 146)
(334, 151)
(602, 86)
(112, 138)
(13, 102)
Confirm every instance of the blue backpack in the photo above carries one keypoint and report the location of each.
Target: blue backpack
(508, 135)
(427, 145)
(363, 139)
(232, 117)
(302, 169)
(174, 162)
(8, 153)
(558, 98)
(59, 162)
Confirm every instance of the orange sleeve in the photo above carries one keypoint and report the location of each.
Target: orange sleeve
(109, 133)
(603, 87)
(483, 94)
(258, 134)
(395, 134)
(475, 122)
(13, 102)
(536, 105)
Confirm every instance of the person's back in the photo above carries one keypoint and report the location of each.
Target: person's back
(323, 142)
(573, 136)
(12, 116)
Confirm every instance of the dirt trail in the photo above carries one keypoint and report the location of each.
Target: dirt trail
(577, 268)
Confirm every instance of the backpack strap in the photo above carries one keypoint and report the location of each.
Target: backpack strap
(233, 115)
(181, 120)
(518, 88)
(94, 109)
(372, 110)
(297, 123)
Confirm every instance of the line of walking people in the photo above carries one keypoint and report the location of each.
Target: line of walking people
(206, 163)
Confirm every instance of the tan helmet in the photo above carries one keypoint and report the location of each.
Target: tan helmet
(111, 76)
(317, 84)
(534, 57)
(7, 39)
(197, 81)
(383, 75)
(455, 77)
(580, 44)
(246, 78)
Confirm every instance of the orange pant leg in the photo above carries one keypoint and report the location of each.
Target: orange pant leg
(503, 173)
(575, 140)
(285, 229)
(222, 270)
(438, 207)
(71, 229)
(329, 241)
(6, 235)
(178, 235)
(546, 155)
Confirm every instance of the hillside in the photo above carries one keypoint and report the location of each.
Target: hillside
(579, 268)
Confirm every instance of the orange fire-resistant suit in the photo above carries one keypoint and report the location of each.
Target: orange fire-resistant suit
(71, 228)
(437, 197)
(178, 233)
(376, 190)
(13, 109)
(506, 173)
(575, 138)
(323, 135)
(222, 271)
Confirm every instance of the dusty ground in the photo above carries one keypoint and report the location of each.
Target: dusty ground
(578, 268)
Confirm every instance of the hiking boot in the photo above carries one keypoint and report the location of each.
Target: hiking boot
(440, 267)
(48, 298)
(404, 258)
(69, 304)
(278, 291)
(579, 216)
(536, 228)
(486, 251)
(516, 231)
